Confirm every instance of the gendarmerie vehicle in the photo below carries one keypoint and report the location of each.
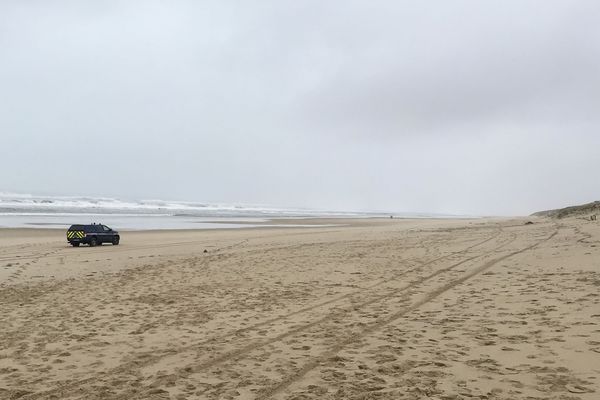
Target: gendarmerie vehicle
(93, 235)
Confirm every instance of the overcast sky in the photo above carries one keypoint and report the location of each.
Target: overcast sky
(478, 107)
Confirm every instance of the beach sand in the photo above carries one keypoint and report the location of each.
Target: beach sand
(369, 309)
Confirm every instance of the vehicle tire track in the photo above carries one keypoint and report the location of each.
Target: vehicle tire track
(316, 361)
(137, 364)
(20, 269)
(345, 296)
(235, 354)
(240, 352)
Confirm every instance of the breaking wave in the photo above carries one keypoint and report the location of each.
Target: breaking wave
(26, 204)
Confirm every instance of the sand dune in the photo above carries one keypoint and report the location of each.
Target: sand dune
(585, 210)
(385, 309)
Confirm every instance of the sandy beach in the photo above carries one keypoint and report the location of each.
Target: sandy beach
(367, 309)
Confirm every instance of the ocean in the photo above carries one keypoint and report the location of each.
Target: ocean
(32, 211)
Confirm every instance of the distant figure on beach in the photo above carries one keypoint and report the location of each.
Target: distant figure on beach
(593, 217)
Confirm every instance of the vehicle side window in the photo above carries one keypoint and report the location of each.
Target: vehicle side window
(106, 228)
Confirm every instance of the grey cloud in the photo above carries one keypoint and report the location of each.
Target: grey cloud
(462, 106)
(506, 66)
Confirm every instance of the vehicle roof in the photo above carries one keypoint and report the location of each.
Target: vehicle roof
(84, 227)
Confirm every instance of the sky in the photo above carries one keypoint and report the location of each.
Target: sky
(465, 107)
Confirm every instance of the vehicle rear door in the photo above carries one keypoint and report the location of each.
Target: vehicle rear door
(75, 232)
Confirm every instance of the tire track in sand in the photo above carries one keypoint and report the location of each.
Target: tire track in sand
(393, 292)
(316, 361)
(240, 352)
(140, 363)
(21, 267)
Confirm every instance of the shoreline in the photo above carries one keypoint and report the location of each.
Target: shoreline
(251, 223)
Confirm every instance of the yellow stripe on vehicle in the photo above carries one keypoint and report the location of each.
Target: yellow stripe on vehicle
(75, 235)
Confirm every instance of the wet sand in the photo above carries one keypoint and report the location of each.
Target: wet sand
(371, 309)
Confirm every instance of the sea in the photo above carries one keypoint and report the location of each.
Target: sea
(19, 210)
(59, 212)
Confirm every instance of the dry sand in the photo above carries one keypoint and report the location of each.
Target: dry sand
(375, 309)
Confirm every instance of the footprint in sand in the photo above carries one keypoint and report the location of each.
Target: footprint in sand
(577, 389)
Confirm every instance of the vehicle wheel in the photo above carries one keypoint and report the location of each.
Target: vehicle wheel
(75, 244)
(93, 242)
(115, 241)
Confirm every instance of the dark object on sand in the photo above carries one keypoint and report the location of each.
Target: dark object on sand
(593, 217)
(93, 235)
(206, 251)
(528, 223)
(391, 217)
